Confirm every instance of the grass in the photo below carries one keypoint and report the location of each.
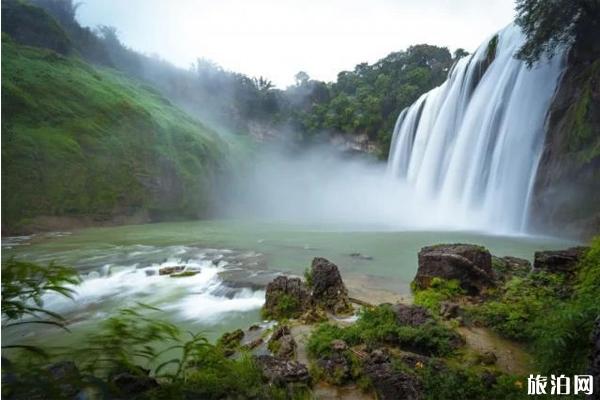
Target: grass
(555, 317)
(439, 290)
(377, 327)
(86, 141)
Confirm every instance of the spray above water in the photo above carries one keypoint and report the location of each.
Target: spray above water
(472, 145)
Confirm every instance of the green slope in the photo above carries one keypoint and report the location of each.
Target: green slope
(85, 141)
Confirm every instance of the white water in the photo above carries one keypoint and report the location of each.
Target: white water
(471, 154)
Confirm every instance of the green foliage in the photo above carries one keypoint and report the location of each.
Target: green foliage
(368, 99)
(550, 24)
(82, 141)
(490, 52)
(438, 291)
(308, 277)
(286, 307)
(521, 301)
(23, 285)
(378, 326)
(462, 383)
(555, 316)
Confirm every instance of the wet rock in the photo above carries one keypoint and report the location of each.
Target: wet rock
(558, 261)
(282, 372)
(391, 384)
(282, 343)
(469, 264)
(328, 289)
(412, 315)
(231, 340)
(253, 344)
(132, 385)
(449, 310)
(66, 375)
(184, 274)
(254, 327)
(286, 298)
(171, 270)
(361, 256)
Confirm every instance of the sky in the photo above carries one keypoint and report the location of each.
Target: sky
(278, 38)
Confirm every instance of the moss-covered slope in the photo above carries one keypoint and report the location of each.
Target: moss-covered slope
(87, 142)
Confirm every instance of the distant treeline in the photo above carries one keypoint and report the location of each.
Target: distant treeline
(366, 100)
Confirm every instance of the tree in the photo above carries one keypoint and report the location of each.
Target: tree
(301, 78)
(548, 25)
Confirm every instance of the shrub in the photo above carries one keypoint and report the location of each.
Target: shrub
(439, 290)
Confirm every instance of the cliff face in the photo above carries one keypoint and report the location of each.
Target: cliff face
(566, 197)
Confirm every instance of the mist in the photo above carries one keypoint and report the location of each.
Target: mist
(323, 186)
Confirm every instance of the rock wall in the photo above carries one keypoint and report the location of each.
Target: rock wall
(566, 198)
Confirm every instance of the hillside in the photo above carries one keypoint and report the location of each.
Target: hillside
(87, 142)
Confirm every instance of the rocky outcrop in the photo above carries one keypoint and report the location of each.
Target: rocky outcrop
(328, 289)
(283, 372)
(286, 298)
(558, 261)
(171, 270)
(508, 267)
(390, 384)
(282, 343)
(469, 264)
(411, 315)
(566, 196)
(292, 298)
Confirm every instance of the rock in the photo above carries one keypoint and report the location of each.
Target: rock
(171, 270)
(231, 340)
(390, 384)
(253, 344)
(487, 358)
(327, 287)
(449, 310)
(558, 261)
(507, 267)
(412, 315)
(469, 264)
(489, 379)
(254, 327)
(67, 377)
(282, 372)
(338, 345)
(286, 298)
(131, 385)
(336, 367)
(313, 315)
(282, 343)
(184, 274)
(361, 256)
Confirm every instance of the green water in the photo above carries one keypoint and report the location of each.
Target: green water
(389, 263)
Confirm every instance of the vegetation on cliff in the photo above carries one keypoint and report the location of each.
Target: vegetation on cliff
(86, 141)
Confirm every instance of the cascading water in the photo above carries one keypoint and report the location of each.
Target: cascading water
(472, 145)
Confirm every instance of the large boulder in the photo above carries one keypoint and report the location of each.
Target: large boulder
(132, 385)
(328, 289)
(469, 264)
(558, 261)
(282, 372)
(286, 298)
(389, 383)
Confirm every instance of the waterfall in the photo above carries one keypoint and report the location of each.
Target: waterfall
(472, 145)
